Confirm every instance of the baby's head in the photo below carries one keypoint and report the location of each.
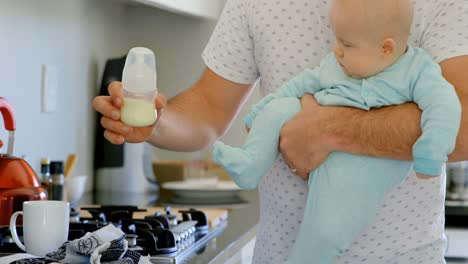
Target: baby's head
(370, 34)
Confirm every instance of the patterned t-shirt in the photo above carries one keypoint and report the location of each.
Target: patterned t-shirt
(273, 40)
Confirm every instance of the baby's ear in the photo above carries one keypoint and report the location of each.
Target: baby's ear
(388, 47)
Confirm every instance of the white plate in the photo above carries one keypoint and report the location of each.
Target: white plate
(202, 190)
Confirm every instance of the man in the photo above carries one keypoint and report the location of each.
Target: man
(271, 41)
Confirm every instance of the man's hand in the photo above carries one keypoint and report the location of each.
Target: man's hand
(303, 143)
(116, 131)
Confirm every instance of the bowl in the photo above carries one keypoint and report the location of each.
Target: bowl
(75, 187)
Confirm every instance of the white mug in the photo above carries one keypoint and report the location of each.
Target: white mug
(45, 226)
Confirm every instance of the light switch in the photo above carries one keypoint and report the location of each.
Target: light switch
(49, 88)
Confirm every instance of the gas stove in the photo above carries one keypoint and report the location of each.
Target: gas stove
(164, 236)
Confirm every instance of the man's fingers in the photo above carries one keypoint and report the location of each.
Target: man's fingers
(115, 92)
(308, 100)
(115, 127)
(160, 101)
(103, 105)
(160, 104)
(113, 137)
(159, 112)
(289, 163)
(297, 171)
(303, 174)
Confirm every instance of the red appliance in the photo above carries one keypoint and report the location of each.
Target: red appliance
(18, 181)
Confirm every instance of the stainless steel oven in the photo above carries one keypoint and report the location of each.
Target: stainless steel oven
(456, 210)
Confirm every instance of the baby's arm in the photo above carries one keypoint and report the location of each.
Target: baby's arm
(305, 82)
(440, 121)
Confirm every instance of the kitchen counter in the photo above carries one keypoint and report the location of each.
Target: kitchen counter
(456, 261)
(239, 232)
(240, 229)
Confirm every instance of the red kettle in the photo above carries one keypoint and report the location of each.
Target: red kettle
(18, 181)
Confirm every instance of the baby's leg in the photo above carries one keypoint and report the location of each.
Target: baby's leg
(345, 193)
(248, 164)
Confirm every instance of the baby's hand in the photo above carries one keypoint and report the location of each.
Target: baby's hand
(423, 176)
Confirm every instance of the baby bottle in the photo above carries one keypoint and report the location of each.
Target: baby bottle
(139, 88)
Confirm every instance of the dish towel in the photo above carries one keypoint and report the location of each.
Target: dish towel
(104, 246)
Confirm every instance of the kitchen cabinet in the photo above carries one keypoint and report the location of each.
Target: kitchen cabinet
(244, 255)
(209, 9)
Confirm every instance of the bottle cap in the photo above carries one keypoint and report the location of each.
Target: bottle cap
(139, 73)
(45, 165)
(56, 167)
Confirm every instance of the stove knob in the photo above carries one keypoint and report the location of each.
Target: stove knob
(190, 231)
(182, 236)
(177, 237)
(171, 217)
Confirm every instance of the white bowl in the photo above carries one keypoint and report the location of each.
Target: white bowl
(75, 187)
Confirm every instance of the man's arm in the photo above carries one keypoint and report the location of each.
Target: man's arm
(392, 131)
(192, 120)
(454, 70)
(198, 116)
(388, 132)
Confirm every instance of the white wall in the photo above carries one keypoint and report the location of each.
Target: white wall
(76, 36)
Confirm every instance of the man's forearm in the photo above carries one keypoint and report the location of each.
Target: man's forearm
(195, 118)
(387, 132)
(454, 70)
(182, 129)
(390, 132)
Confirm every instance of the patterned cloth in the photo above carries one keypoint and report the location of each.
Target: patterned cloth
(104, 246)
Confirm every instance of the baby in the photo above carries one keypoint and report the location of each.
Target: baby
(371, 66)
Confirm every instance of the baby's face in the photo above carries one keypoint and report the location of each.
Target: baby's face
(358, 52)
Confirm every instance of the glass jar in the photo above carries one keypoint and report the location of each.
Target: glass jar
(56, 181)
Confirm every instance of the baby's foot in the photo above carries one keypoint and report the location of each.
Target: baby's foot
(237, 162)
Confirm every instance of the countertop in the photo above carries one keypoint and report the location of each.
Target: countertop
(456, 261)
(241, 227)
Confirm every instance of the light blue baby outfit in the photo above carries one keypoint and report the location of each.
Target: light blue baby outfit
(346, 190)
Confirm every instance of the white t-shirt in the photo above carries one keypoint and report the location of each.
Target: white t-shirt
(276, 39)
